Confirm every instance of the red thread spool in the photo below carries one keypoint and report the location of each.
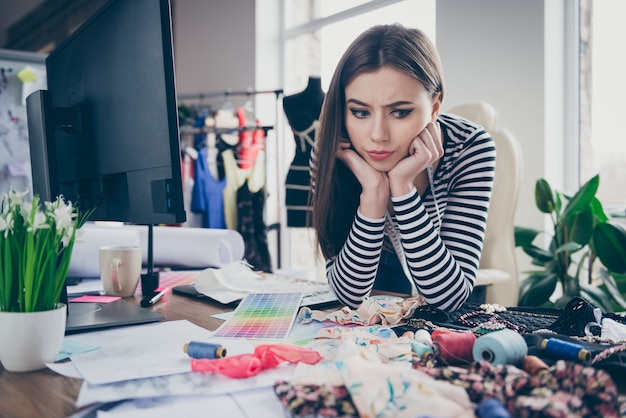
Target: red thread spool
(452, 347)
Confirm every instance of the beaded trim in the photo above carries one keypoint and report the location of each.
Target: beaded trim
(494, 319)
(609, 352)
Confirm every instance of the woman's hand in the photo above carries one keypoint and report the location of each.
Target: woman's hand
(425, 149)
(375, 185)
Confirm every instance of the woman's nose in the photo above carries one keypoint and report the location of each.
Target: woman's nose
(379, 129)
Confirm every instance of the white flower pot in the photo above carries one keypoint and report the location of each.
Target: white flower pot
(28, 340)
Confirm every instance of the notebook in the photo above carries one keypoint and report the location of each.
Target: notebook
(89, 316)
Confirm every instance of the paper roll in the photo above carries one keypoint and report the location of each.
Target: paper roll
(172, 246)
(191, 247)
(86, 252)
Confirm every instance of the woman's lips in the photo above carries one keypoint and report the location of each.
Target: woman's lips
(379, 155)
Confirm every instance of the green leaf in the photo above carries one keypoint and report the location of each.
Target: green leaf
(570, 247)
(524, 237)
(539, 255)
(583, 197)
(544, 198)
(598, 211)
(578, 226)
(611, 287)
(538, 291)
(609, 243)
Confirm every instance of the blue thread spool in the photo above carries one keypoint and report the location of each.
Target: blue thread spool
(565, 350)
(500, 347)
(492, 408)
(200, 350)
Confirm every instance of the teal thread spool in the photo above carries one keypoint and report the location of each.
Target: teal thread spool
(565, 350)
(500, 347)
(200, 350)
(422, 350)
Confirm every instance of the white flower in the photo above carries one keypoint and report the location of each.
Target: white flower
(6, 223)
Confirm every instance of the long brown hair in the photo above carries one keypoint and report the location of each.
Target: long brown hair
(336, 191)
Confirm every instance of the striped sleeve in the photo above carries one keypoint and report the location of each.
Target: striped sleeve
(352, 272)
(444, 265)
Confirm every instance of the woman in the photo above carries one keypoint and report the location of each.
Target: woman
(401, 191)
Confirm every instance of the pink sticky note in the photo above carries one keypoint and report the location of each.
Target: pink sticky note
(97, 299)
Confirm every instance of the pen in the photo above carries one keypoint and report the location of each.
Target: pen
(154, 297)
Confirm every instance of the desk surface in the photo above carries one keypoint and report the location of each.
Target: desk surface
(45, 393)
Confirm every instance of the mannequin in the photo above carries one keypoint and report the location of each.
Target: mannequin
(302, 110)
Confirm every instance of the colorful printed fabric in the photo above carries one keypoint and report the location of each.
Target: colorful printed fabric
(567, 389)
(374, 389)
(373, 310)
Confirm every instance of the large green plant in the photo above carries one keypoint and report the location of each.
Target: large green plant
(585, 251)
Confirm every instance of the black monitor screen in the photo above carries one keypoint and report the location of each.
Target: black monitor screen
(105, 133)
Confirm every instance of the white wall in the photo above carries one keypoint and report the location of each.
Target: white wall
(494, 50)
(214, 45)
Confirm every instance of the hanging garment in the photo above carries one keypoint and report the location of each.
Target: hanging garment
(251, 226)
(251, 140)
(235, 178)
(208, 194)
(298, 181)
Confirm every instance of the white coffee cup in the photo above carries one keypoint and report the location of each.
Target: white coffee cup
(120, 269)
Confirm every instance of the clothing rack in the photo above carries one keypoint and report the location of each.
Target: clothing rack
(228, 93)
(195, 130)
(199, 97)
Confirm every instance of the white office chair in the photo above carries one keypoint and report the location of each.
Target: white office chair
(498, 264)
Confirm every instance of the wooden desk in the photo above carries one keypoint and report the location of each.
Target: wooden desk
(45, 393)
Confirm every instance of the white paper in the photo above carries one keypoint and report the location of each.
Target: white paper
(234, 281)
(256, 403)
(143, 351)
(182, 384)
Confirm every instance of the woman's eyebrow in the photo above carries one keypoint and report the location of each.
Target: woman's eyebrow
(357, 102)
(394, 104)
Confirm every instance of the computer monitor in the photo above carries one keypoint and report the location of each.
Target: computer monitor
(105, 132)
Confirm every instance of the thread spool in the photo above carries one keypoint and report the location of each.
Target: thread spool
(200, 350)
(423, 336)
(533, 365)
(452, 347)
(500, 347)
(422, 350)
(565, 350)
(492, 408)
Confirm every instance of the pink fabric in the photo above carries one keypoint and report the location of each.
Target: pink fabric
(265, 356)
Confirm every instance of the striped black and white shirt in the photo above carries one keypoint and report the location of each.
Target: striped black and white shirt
(442, 257)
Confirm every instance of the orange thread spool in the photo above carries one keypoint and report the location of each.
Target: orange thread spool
(533, 365)
(453, 347)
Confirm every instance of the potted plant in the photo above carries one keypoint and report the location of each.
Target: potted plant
(584, 250)
(36, 243)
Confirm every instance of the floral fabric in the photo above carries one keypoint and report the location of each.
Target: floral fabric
(566, 389)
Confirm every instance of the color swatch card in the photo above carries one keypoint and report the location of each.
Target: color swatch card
(262, 316)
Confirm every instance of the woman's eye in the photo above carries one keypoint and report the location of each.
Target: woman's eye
(401, 113)
(359, 114)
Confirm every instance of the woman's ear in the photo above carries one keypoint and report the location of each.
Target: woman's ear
(436, 104)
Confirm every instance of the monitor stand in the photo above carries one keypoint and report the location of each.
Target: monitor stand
(150, 280)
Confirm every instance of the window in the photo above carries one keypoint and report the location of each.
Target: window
(602, 90)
